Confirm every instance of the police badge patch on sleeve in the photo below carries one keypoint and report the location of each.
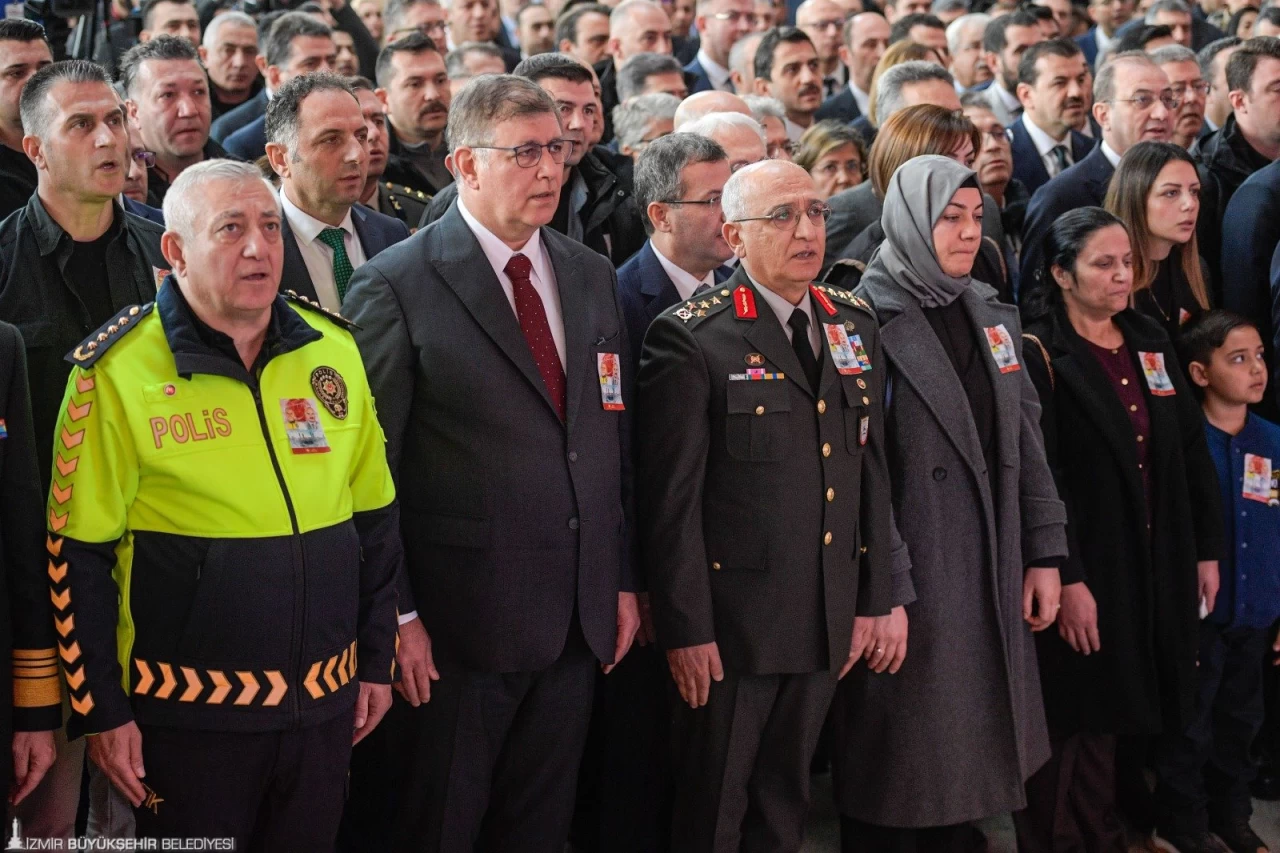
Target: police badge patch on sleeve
(331, 390)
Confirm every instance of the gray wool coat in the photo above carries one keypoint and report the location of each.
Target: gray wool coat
(956, 732)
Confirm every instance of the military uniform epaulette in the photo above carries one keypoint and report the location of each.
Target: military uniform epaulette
(408, 192)
(292, 296)
(845, 296)
(702, 305)
(88, 351)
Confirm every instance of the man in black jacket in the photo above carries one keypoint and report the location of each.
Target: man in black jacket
(593, 208)
(23, 51)
(415, 89)
(72, 257)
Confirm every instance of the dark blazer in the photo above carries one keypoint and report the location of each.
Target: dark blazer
(697, 77)
(852, 211)
(646, 291)
(840, 106)
(1028, 166)
(1250, 233)
(730, 484)
(1083, 185)
(863, 125)
(1088, 44)
(1143, 680)
(229, 122)
(249, 142)
(146, 211)
(512, 519)
(376, 231)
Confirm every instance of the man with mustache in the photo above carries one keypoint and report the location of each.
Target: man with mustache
(317, 143)
(1052, 83)
(168, 101)
(414, 87)
(385, 197)
(787, 68)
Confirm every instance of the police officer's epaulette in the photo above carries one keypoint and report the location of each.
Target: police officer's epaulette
(292, 296)
(845, 296)
(701, 306)
(91, 348)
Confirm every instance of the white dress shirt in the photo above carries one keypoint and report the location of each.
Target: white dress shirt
(684, 281)
(716, 73)
(794, 131)
(861, 98)
(1102, 40)
(783, 309)
(542, 276)
(317, 255)
(1045, 144)
(1110, 154)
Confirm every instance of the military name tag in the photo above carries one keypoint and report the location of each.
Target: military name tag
(1257, 479)
(846, 350)
(1002, 350)
(864, 427)
(1157, 377)
(610, 381)
(302, 425)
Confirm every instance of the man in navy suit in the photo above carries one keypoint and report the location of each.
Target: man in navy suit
(720, 24)
(866, 38)
(298, 44)
(316, 134)
(1108, 16)
(1053, 83)
(1125, 122)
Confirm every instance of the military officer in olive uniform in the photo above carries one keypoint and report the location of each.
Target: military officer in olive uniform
(763, 495)
(404, 203)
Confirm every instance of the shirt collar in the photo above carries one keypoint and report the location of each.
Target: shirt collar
(781, 307)
(49, 234)
(495, 250)
(716, 73)
(305, 226)
(1010, 100)
(861, 98)
(794, 131)
(1102, 40)
(1044, 142)
(684, 281)
(1110, 153)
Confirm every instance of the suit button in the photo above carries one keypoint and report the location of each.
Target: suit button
(573, 524)
(715, 566)
(573, 456)
(831, 495)
(759, 410)
(826, 449)
(822, 406)
(866, 401)
(826, 539)
(939, 474)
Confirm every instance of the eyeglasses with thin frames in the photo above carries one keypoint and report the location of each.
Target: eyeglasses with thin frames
(530, 154)
(1146, 100)
(146, 158)
(787, 217)
(714, 201)
(432, 31)
(1200, 86)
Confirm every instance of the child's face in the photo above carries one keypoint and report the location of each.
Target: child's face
(1236, 372)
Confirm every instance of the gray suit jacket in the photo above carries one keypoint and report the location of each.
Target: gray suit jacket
(511, 518)
(955, 734)
(851, 211)
(1004, 115)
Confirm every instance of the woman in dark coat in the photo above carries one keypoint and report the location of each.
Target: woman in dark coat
(953, 735)
(1125, 440)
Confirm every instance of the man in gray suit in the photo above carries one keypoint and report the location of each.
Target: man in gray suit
(763, 493)
(494, 346)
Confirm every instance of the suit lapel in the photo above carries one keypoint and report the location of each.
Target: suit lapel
(371, 240)
(658, 288)
(1025, 151)
(462, 264)
(294, 275)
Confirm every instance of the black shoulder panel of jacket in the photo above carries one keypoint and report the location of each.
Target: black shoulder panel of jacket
(312, 305)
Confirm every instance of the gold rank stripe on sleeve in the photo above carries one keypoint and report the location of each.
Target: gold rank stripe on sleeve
(35, 678)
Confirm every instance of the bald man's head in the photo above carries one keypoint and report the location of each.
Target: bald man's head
(698, 105)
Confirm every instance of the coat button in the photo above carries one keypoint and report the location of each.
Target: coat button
(826, 539)
(866, 401)
(822, 406)
(573, 524)
(759, 410)
(831, 495)
(715, 566)
(862, 550)
(939, 474)
(826, 449)
(862, 383)
(573, 456)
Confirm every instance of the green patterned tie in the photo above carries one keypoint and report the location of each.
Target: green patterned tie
(333, 238)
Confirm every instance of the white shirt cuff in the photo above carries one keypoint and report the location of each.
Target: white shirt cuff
(407, 617)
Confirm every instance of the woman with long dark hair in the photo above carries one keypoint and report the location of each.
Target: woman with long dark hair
(1156, 193)
(1125, 440)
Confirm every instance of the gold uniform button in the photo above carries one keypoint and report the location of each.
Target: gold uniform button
(1124, 381)
(866, 401)
(862, 383)
(1141, 439)
(1133, 408)
(826, 540)
(759, 410)
(831, 495)
(822, 406)
(826, 450)
(715, 566)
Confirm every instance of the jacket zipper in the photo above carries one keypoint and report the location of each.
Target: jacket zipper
(300, 557)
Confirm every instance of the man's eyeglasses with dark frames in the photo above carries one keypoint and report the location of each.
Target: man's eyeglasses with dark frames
(530, 154)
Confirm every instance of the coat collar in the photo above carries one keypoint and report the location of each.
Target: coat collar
(50, 235)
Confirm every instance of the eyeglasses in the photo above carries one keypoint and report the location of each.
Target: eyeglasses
(779, 148)
(1146, 100)
(146, 158)
(820, 26)
(432, 30)
(1200, 86)
(735, 17)
(530, 154)
(714, 201)
(996, 134)
(787, 217)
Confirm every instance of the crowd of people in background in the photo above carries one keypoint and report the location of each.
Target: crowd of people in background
(1026, 570)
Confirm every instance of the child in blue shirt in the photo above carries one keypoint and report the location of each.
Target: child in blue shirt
(1205, 770)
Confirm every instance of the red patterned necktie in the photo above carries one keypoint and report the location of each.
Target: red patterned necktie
(537, 331)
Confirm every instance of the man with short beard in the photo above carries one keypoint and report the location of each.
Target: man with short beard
(414, 87)
(1004, 41)
(1052, 80)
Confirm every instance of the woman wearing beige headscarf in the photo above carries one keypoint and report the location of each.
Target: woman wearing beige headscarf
(953, 735)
